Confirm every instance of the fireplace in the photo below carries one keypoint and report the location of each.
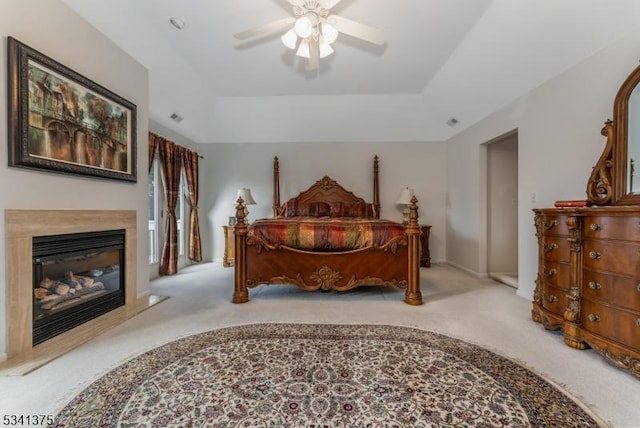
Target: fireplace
(76, 278)
(22, 227)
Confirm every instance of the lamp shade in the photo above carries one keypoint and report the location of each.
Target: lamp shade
(405, 196)
(329, 33)
(304, 49)
(245, 194)
(303, 27)
(290, 39)
(325, 49)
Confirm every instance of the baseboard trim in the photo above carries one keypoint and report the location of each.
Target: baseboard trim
(467, 270)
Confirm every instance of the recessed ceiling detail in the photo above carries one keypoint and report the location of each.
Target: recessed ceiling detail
(467, 58)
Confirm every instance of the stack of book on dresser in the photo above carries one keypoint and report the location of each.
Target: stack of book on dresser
(577, 203)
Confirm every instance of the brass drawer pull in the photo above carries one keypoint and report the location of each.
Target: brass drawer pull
(550, 225)
(596, 285)
(552, 299)
(593, 318)
(595, 227)
(551, 247)
(594, 255)
(550, 272)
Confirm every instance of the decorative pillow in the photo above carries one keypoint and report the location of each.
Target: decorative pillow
(335, 209)
(292, 208)
(355, 209)
(319, 209)
(371, 211)
(288, 209)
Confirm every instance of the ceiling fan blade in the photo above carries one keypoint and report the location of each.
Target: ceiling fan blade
(266, 29)
(355, 29)
(328, 4)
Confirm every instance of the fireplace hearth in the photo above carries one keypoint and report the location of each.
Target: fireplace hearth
(76, 278)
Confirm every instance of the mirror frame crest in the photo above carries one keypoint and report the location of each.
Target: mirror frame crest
(608, 181)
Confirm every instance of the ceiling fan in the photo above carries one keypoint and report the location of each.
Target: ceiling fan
(312, 29)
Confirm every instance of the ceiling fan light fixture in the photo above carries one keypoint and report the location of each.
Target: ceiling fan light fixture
(303, 49)
(290, 39)
(303, 27)
(312, 29)
(329, 33)
(325, 49)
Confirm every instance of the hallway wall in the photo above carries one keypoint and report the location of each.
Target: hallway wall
(559, 141)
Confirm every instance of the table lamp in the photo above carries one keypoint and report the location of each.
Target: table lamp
(405, 200)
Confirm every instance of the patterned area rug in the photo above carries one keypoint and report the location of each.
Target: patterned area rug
(302, 375)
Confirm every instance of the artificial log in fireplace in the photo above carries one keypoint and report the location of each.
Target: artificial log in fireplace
(76, 277)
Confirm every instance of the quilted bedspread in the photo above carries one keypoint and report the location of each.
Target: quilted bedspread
(325, 233)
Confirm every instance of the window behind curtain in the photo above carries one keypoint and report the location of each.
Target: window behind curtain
(180, 213)
(154, 188)
(155, 219)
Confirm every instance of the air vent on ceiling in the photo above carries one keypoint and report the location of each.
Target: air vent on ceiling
(452, 122)
(176, 117)
(177, 22)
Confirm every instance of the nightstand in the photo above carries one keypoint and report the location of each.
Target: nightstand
(425, 256)
(229, 257)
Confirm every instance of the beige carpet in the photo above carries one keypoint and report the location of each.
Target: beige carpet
(481, 312)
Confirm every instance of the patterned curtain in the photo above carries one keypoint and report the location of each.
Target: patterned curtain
(170, 157)
(190, 160)
(153, 143)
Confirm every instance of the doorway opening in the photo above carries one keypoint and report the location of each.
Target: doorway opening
(502, 209)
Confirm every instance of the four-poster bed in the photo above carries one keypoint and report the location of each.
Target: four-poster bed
(327, 238)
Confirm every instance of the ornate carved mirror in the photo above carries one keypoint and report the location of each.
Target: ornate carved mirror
(615, 179)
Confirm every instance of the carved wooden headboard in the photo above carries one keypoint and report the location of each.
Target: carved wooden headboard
(326, 190)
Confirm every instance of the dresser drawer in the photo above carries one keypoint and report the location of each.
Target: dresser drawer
(617, 290)
(613, 323)
(556, 274)
(554, 299)
(555, 249)
(624, 228)
(612, 256)
(554, 225)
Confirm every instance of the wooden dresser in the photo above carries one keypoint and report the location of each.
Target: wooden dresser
(554, 267)
(588, 281)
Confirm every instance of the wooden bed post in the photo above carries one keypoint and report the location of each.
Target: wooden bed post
(240, 294)
(276, 186)
(376, 187)
(413, 295)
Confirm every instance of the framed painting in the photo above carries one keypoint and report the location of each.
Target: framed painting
(62, 121)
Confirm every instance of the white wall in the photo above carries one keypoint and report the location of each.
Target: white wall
(319, 119)
(53, 29)
(232, 166)
(559, 141)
